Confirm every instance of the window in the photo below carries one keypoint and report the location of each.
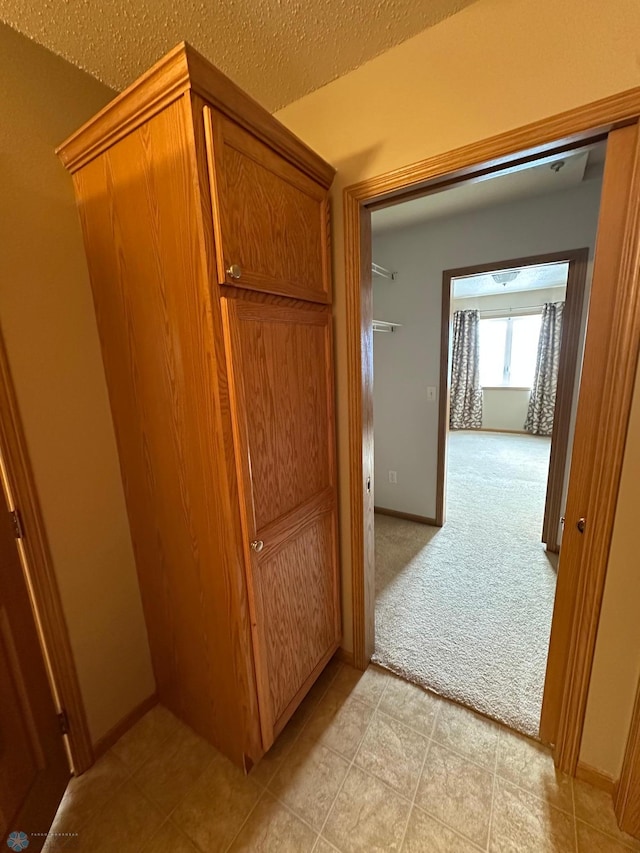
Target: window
(508, 350)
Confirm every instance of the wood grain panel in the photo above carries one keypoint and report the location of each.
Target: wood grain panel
(297, 583)
(269, 218)
(145, 246)
(287, 407)
(230, 486)
(280, 362)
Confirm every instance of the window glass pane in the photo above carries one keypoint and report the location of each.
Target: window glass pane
(524, 349)
(493, 336)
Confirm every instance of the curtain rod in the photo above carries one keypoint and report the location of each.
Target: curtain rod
(507, 312)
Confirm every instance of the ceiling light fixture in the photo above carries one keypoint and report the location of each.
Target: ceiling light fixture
(505, 278)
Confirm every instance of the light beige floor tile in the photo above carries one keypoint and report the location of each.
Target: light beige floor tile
(169, 839)
(392, 752)
(339, 722)
(595, 807)
(217, 805)
(325, 679)
(87, 793)
(323, 846)
(313, 697)
(124, 823)
(411, 705)
(591, 840)
(457, 792)
(530, 765)
(467, 733)
(146, 737)
(168, 774)
(309, 780)
(365, 686)
(427, 835)
(367, 816)
(526, 824)
(272, 760)
(272, 828)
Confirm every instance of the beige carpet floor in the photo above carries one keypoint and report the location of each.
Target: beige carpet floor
(466, 609)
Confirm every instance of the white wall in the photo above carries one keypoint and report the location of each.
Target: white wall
(504, 408)
(408, 361)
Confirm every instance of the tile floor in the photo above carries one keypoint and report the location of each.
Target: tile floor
(368, 763)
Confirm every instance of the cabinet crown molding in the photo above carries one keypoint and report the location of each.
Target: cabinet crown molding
(184, 70)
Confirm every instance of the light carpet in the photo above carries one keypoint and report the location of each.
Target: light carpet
(465, 610)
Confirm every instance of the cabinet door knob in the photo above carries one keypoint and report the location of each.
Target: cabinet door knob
(581, 524)
(234, 271)
(257, 545)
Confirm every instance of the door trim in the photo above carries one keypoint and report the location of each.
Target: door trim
(606, 392)
(626, 799)
(551, 136)
(574, 305)
(43, 587)
(567, 369)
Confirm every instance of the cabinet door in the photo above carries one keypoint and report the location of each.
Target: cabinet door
(270, 219)
(280, 371)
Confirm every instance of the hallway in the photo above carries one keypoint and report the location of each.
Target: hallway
(368, 763)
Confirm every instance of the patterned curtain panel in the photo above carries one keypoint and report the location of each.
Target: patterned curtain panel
(542, 401)
(466, 393)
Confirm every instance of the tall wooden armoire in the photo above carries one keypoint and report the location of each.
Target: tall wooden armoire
(206, 228)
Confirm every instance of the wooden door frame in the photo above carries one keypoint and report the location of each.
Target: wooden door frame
(626, 798)
(20, 489)
(546, 138)
(574, 305)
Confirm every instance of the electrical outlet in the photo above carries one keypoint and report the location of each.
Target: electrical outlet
(393, 476)
(431, 393)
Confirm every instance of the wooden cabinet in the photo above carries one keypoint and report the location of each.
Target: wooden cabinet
(270, 219)
(221, 389)
(279, 358)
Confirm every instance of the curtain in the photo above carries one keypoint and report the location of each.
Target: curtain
(466, 393)
(542, 400)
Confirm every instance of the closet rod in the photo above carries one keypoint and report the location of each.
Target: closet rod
(376, 269)
(385, 326)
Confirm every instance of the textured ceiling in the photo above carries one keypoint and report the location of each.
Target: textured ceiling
(532, 180)
(537, 277)
(277, 50)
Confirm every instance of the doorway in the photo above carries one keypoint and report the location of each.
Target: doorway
(603, 408)
(464, 599)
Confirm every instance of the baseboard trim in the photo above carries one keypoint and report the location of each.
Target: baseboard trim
(597, 778)
(505, 431)
(344, 656)
(114, 734)
(408, 516)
